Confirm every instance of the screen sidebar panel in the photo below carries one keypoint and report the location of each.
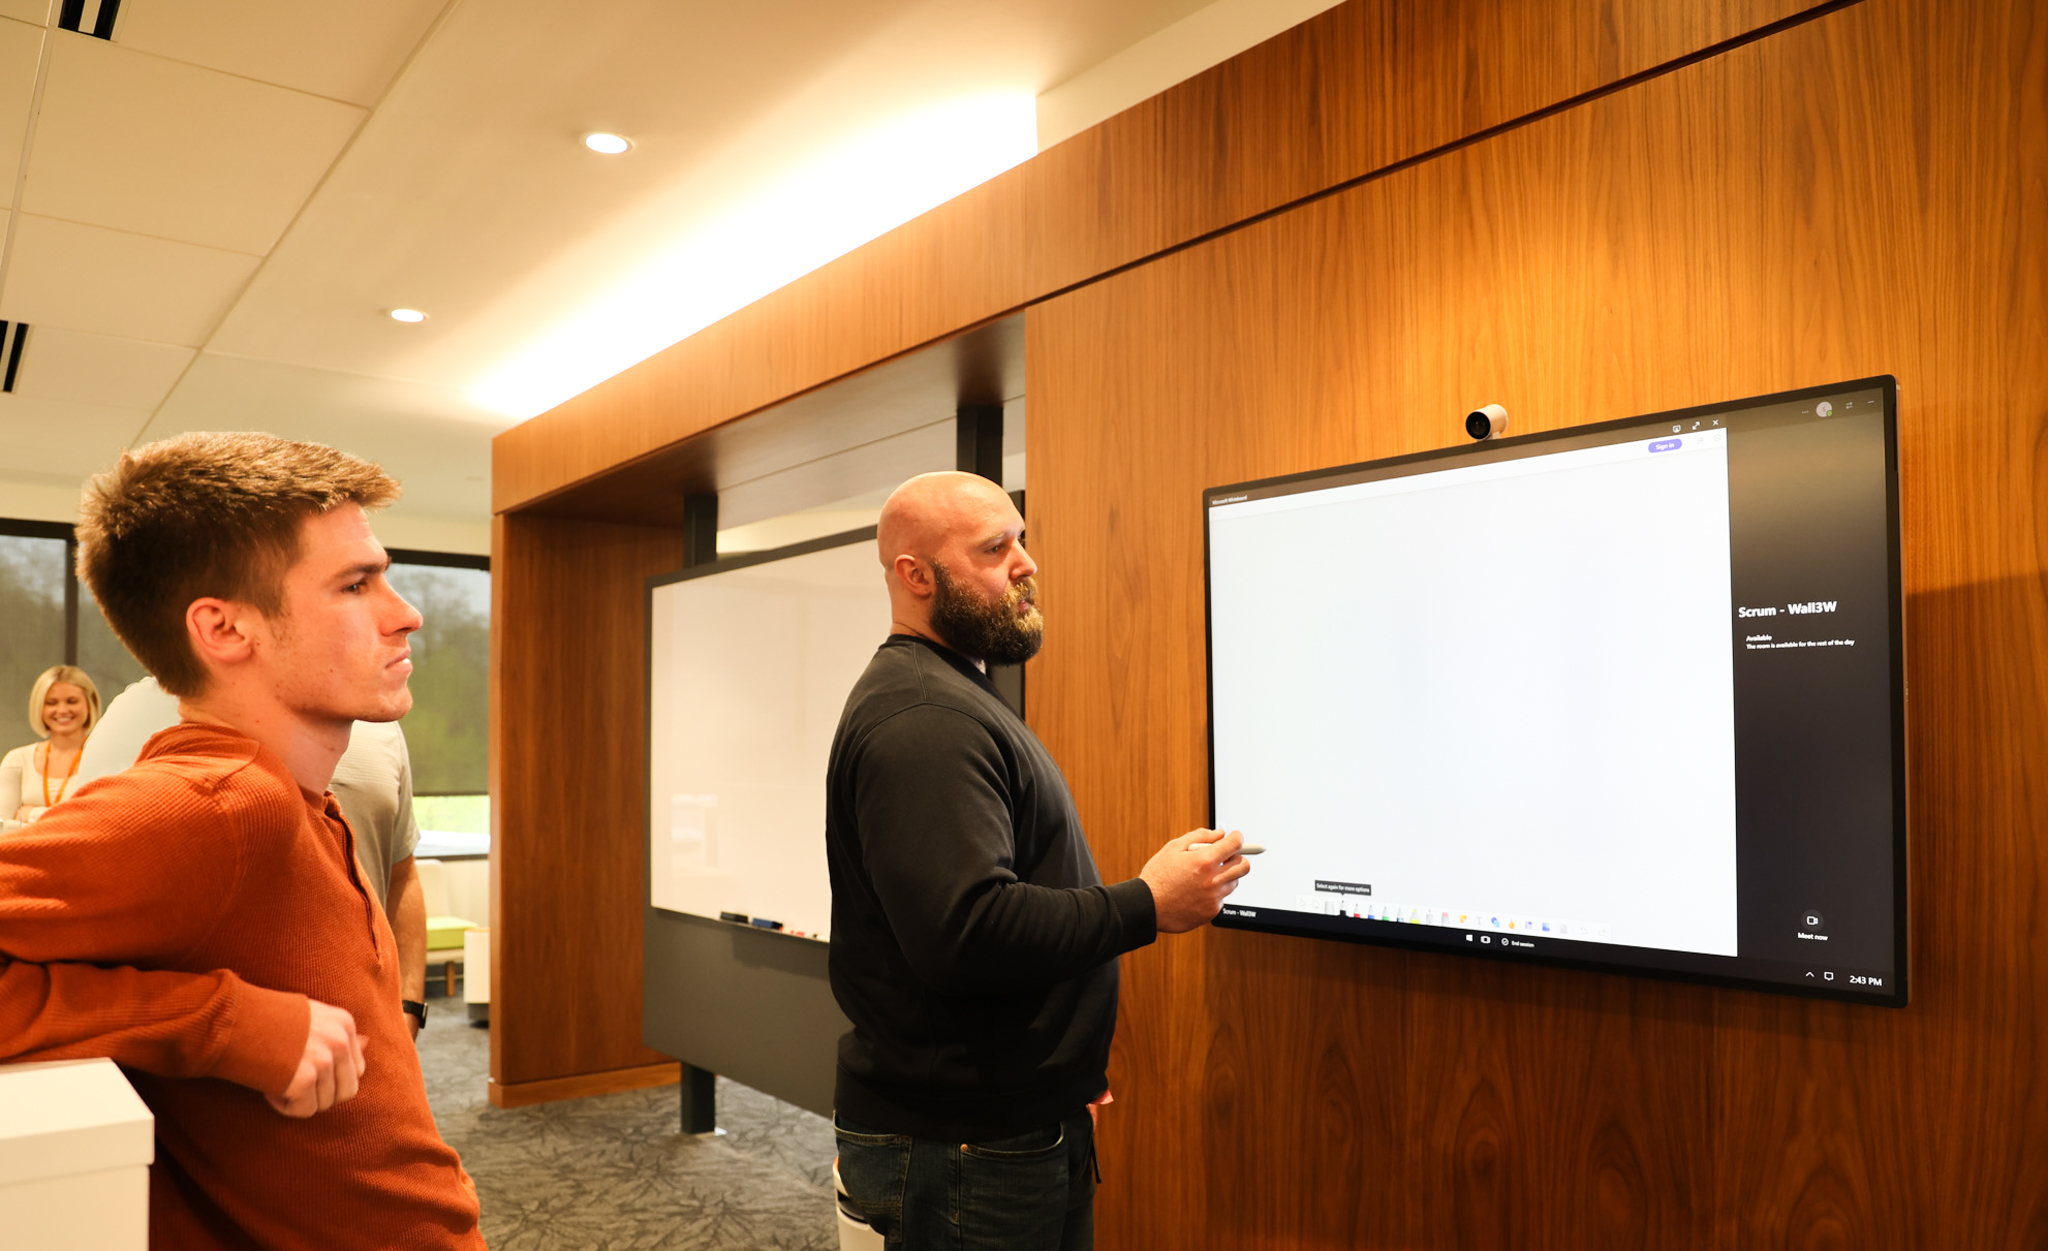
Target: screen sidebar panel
(1818, 786)
(1815, 701)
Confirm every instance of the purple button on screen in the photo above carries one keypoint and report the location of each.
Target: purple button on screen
(1666, 445)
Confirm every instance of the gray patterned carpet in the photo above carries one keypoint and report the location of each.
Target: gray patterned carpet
(614, 1172)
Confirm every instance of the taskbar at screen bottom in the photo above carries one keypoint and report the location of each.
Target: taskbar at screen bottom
(1819, 980)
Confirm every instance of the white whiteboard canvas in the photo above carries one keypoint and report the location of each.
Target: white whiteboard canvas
(748, 670)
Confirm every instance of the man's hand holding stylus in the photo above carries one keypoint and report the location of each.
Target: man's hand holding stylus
(1191, 876)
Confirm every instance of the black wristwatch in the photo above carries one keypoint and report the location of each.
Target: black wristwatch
(414, 1007)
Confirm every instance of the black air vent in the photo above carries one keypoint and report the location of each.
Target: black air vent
(12, 345)
(89, 17)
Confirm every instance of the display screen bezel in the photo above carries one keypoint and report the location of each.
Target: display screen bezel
(1601, 957)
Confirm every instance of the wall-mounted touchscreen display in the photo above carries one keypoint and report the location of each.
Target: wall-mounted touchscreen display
(1626, 695)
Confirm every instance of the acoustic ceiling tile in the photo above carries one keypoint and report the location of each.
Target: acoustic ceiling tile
(35, 12)
(61, 437)
(135, 142)
(342, 51)
(113, 283)
(428, 437)
(60, 364)
(467, 194)
(21, 46)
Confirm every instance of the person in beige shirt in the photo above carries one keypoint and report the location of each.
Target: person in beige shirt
(372, 782)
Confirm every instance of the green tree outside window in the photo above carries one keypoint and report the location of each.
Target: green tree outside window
(447, 729)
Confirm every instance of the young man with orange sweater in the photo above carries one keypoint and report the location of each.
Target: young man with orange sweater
(200, 918)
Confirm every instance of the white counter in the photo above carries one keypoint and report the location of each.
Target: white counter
(76, 1143)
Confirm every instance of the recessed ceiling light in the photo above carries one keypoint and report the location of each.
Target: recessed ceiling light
(407, 314)
(609, 145)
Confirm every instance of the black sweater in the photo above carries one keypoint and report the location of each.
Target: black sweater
(973, 943)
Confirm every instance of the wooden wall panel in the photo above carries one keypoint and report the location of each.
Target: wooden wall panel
(1861, 194)
(1354, 90)
(569, 791)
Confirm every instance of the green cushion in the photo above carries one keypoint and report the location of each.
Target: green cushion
(446, 932)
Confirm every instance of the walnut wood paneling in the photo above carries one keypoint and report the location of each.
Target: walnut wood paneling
(584, 1086)
(1357, 89)
(1860, 194)
(569, 796)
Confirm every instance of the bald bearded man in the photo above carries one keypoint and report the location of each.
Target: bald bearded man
(974, 946)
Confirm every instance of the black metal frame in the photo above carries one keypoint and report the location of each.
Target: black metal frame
(1613, 959)
(439, 560)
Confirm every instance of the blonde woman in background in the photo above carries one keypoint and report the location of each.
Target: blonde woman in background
(63, 707)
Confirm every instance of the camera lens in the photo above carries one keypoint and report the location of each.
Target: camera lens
(1478, 425)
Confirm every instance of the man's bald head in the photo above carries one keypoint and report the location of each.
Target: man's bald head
(952, 546)
(922, 514)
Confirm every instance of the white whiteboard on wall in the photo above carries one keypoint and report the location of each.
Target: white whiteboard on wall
(749, 665)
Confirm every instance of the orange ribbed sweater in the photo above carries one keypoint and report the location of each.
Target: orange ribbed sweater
(175, 918)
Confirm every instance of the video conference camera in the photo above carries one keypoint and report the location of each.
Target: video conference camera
(1488, 422)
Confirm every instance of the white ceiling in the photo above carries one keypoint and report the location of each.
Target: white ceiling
(213, 212)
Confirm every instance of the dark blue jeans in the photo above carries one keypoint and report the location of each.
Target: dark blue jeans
(1034, 1192)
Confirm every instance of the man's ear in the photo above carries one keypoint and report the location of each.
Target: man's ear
(221, 631)
(915, 576)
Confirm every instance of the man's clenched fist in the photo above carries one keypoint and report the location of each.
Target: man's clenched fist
(330, 1066)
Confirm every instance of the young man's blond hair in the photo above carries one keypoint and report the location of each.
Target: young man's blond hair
(206, 515)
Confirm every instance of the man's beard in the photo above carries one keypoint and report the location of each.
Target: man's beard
(984, 629)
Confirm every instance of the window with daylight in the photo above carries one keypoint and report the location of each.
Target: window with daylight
(33, 576)
(447, 728)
